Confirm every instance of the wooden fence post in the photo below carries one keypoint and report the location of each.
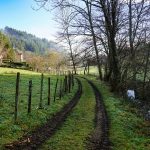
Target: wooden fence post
(55, 90)
(72, 80)
(29, 97)
(63, 86)
(49, 90)
(17, 95)
(60, 89)
(41, 93)
(66, 84)
(69, 83)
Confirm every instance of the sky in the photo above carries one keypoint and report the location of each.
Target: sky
(19, 14)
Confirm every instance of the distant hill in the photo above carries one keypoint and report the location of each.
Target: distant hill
(27, 42)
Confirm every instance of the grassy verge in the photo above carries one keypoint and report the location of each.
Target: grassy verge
(14, 71)
(127, 130)
(72, 135)
(10, 131)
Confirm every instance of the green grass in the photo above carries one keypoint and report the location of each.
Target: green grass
(14, 71)
(10, 131)
(92, 70)
(77, 127)
(127, 130)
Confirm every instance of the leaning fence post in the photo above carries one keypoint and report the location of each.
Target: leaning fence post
(17, 95)
(49, 90)
(55, 90)
(30, 95)
(41, 93)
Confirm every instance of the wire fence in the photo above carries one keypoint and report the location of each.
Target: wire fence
(24, 93)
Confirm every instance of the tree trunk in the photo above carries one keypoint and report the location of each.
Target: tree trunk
(132, 58)
(88, 65)
(115, 65)
(85, 69)
(145, 72)
(71, 53)
(94, 40)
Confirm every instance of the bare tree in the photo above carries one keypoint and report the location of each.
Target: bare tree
(64, 19)
(138, 15)
(116, 28)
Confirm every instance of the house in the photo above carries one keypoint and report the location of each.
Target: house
(19, 56)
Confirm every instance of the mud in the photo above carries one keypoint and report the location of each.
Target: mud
(99, 138)
(37, 137)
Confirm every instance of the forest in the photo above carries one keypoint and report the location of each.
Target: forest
(28, 42)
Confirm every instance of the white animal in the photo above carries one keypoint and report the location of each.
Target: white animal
(131, 94)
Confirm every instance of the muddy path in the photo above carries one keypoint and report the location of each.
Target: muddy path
(99, 138)
(36, 138)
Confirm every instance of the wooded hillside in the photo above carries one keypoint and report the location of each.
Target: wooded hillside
(27, 42)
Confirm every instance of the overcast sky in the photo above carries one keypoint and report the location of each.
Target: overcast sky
(19, 14)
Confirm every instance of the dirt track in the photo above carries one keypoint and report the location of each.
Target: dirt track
(40, 135)
(99, 138)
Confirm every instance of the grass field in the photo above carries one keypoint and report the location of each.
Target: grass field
(78, 126)
(11, 131)
(14, 71)
(92, 70)
(127, 130)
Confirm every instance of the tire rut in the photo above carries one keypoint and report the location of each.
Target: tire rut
(35, 139)
(99, 138)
